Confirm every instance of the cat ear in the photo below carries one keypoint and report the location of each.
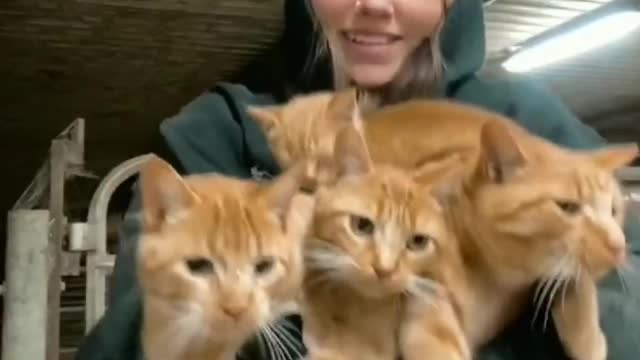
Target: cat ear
(614, 157)
(444, 178)
(501, 154)
(280, 192)
(350, 152)
(165, 194)
(266, 116)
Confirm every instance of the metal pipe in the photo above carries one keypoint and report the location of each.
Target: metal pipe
(99, 262)
(24, 323)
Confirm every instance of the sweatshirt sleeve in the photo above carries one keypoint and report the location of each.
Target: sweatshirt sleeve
(206, 137)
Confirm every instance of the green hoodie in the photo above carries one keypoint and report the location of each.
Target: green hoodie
(214, 134)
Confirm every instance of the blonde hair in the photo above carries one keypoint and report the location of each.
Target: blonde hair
(420, 76)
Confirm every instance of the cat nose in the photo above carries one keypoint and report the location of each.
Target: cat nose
(617, 245)
(383, 272)
(236, 309)
(619, 253)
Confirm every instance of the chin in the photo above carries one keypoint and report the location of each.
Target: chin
(236, 329)
(372, 76)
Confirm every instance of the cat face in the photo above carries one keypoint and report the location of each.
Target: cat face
(220, 253)
(306, 126)
(376, 230)
(550, 212)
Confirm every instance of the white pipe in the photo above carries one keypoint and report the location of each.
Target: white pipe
(99, 262)
(24, 323)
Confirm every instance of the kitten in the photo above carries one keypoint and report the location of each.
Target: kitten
(377, 241)
(527, 209)
(219, 259)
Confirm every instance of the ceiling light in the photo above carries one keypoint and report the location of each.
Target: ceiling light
(587, 37)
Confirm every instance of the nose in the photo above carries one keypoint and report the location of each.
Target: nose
(383, 272)
(235, 309)
(236, 303)
(617, 244)
(375, 7)
(619, 253)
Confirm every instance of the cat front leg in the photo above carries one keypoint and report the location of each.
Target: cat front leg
(432, 331)
(576, 316)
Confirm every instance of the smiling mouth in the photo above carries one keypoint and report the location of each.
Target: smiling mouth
(371, 39)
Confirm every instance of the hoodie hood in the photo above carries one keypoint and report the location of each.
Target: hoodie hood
(463, 41)
(462, 45)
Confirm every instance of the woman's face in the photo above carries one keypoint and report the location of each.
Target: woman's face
(373, 38)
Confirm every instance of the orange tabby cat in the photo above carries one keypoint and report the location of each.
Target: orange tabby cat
(527, 209)
(219, 259)
(378, 241)
(521, 216)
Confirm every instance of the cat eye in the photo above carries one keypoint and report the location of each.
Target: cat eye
(418, 242)
(264, 265)
(361, 225)
(569, 207)
(200, 266)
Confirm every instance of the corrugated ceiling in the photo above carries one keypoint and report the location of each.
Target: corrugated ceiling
(511, 21)
(602, 86)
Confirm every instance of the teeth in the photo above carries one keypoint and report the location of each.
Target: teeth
(367, 39)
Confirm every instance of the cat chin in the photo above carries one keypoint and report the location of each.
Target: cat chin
(224, 329)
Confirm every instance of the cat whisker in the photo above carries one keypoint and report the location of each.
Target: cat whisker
(263, 341)
(289, 325)
(536, 294)
(289, 340)
(322, 277)
(576, 269)
(579, 273)
(628, 267)
(423, 288)
(545, 286)
(317, 280)
(548, 287)
(557, 285)
(327, 259)
(540, 295)
(273, 348)
(282, 347)
(316, 244)
(277, 352)
(623, 283)
(564, 293)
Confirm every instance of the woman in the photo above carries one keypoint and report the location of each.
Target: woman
(394, 49)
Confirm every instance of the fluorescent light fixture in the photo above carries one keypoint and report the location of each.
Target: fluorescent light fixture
(587, 37)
